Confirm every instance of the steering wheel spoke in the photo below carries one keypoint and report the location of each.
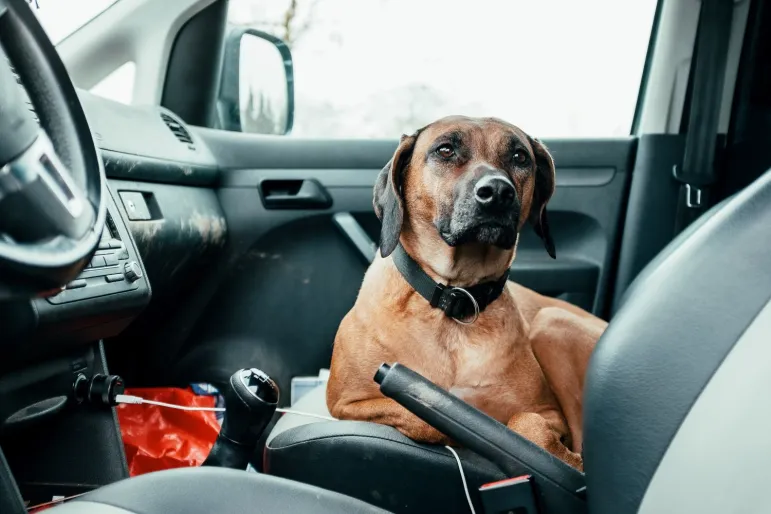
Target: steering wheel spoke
(52, 182)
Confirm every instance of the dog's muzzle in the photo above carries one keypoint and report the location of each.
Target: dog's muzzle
(485, 211)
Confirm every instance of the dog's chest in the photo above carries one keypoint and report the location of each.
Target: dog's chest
(500, 381)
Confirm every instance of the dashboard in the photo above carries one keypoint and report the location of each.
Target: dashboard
(139, 146)
(148, 143)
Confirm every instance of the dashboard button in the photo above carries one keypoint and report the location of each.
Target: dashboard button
(115, 243)
(133, 271)
(77, 284)
(117, 277)
(136, 205)
(98, 262)
(103, 245)
(49, 295)
(111, 259)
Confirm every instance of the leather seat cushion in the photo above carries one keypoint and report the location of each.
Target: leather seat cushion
(372, 462)
(207, 490)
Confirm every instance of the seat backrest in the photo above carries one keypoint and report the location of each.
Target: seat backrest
(663, 255)
(675, 406)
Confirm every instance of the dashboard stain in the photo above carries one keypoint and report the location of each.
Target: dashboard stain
(211, 229)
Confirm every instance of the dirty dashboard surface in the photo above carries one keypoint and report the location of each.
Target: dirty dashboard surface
(161, 177)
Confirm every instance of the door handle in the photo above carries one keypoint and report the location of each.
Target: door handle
(294, 194)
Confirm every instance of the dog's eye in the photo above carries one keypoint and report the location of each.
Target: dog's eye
(521, 158)
(445, 151)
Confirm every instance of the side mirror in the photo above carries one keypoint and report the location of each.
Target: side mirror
(256, 91)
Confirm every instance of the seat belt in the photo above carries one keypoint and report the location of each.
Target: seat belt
(698, 172)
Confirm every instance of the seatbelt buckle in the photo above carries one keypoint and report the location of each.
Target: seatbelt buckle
(510, 496)
(692, 197)
(693, 194)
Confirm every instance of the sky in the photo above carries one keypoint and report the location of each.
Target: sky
(376, 68)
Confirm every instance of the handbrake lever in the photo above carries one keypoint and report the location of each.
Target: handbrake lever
(477, 431)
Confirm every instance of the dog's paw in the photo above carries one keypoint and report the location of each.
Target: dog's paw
(537, 429)
(421, 432)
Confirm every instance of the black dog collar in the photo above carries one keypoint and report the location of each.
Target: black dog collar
(459, 303)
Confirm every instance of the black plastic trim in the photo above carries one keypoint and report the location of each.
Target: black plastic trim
(148, 169)
(192, 76)
(233, 151)
(357, 236)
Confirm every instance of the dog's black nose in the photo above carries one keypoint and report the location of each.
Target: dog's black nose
(495, 192)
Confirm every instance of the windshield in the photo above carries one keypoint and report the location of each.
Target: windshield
(60, 19)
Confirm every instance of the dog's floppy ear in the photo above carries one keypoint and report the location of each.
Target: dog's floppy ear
(544, 189)
(388, 198)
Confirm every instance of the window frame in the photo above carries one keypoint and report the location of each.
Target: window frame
(647, 65)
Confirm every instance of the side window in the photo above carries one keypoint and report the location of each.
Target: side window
(379, 68)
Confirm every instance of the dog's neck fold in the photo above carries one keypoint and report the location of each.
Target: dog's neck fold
(461, 266)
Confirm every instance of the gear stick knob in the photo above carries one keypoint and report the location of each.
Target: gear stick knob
(250, 402)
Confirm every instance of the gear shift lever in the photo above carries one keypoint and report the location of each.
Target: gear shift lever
(250, 402)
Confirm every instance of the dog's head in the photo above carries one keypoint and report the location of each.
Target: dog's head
(471, 180)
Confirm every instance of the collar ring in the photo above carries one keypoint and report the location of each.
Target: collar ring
(473, 302)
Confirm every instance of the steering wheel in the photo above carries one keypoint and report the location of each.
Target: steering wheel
(52, 181)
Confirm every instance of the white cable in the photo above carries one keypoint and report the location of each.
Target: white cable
(308, 414)
(136, 400)
(463, 478)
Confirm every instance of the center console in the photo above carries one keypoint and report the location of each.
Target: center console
(52, 445)
(110, 271)
(102, 301)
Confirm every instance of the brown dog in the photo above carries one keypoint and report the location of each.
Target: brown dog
(452, 202)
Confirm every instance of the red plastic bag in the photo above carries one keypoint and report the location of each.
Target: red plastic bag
(157, 438)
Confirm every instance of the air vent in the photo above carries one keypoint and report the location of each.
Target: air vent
(178, 130)
(24, 93)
